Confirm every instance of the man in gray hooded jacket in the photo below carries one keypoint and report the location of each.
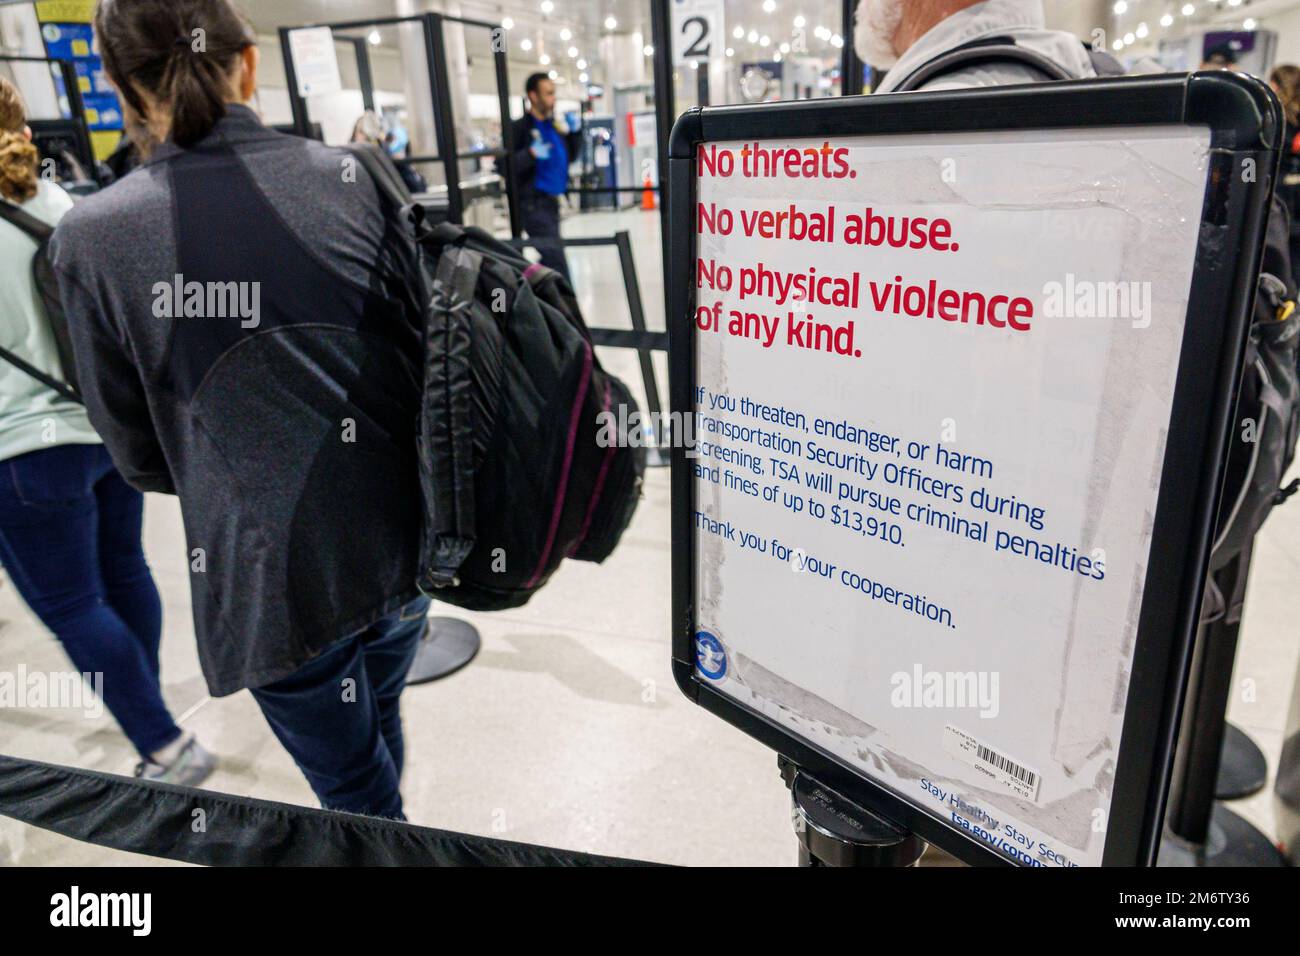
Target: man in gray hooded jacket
(903, 35)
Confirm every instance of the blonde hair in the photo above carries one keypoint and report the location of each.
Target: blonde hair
(19, 160)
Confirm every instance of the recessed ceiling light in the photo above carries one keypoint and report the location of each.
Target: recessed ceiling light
(611, 23)
(566, 34)
(544, 59)
(507, 23)
(525, 44)
(374, 38)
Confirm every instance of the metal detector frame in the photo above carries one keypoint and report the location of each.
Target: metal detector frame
(444, 123)
(1245, 123)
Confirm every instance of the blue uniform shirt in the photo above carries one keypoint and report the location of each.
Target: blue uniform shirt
(552, 175)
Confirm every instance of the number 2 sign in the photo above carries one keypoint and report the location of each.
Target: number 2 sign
(698, 30)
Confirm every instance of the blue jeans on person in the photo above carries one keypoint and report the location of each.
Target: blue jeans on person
(70, 540)
(347, 738)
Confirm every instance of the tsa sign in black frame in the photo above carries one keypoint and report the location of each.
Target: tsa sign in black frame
(960, 383)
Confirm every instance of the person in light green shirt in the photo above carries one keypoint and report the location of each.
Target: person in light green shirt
(32, 416)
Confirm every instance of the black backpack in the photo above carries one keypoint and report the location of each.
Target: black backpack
(525, 458)
(47, 284)
(1267, 422)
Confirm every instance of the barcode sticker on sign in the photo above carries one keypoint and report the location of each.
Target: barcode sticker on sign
(1012, 774)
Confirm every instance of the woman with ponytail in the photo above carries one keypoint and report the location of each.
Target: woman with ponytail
(69, 525)
(245, 340)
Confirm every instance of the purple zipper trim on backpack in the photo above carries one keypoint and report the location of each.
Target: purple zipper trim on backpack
(599, 488)
(574, 418)
(532, 269)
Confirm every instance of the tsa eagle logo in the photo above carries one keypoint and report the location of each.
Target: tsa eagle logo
(710, 656)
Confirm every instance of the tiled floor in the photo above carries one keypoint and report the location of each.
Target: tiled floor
(567, 729)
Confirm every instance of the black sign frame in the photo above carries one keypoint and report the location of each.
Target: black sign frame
(1246, 126)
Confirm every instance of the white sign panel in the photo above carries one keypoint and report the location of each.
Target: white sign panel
(315, 61)
(934, 386)
(699, 30)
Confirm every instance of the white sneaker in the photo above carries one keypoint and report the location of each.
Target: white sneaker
(191, 767)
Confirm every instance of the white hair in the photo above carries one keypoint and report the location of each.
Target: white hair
(873, 32)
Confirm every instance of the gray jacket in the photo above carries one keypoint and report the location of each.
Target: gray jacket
(241, 343)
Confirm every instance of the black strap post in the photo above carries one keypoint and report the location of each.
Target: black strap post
(835, 831)
(1243, 769)
(1199, 832)
(665, 113)
(850, 63)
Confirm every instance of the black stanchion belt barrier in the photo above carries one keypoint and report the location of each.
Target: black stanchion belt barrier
(158, 819)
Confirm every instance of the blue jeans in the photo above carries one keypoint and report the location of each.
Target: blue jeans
(347, 737)
(70, 540)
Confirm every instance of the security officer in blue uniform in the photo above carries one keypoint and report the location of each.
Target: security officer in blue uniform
(543, 148)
